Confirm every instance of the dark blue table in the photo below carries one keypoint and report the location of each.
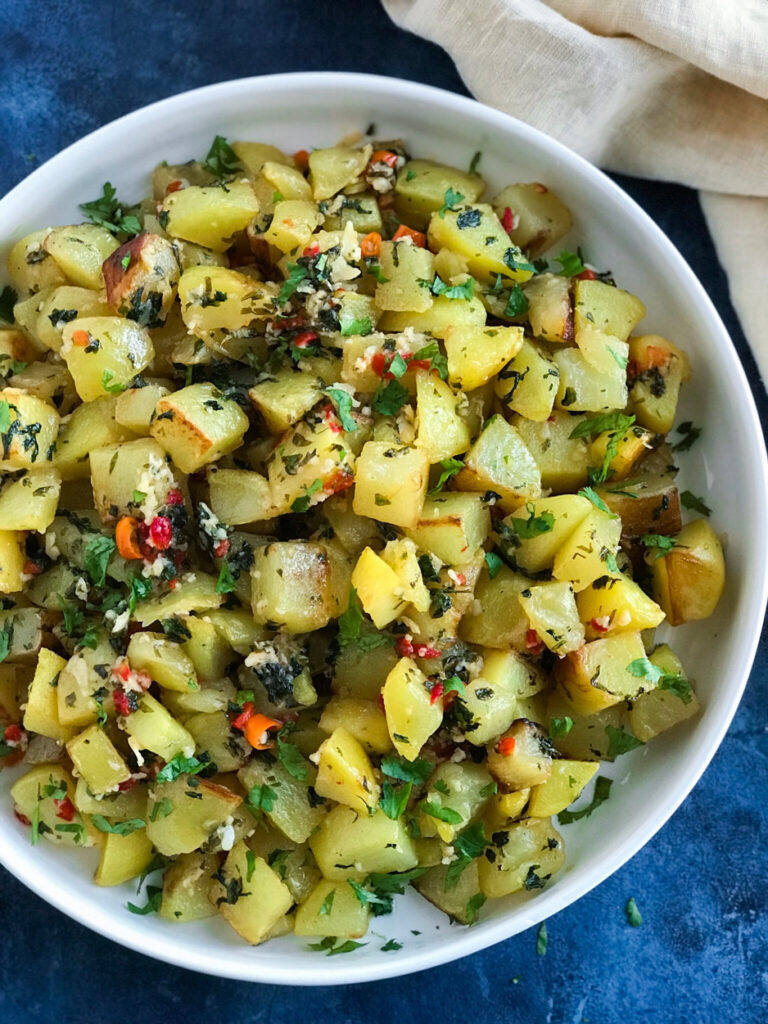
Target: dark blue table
(701, 954)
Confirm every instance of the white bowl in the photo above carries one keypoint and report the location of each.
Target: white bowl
(727, 465)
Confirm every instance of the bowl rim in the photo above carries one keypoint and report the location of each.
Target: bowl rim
(460, 944)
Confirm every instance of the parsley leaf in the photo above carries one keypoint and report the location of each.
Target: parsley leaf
(474, 903)
(221, 160)
(533, 526)
(98, 552)
(291, 758)
(6, 636)
(119, 828)
(107, 212)
(390, 398)
(661, 543)
(438, 361)
(542, 939)
(115, 388)
(296, 274)
(153, 904)
(494, 563)
(141, 587)
(450, 199)
(469, 845)
(5, 416)
(517, 303)
(446, 814)
(591, 425)
(570, 264)
(475, 161)
(342, 401)
(417, 771)
(327, 905)
(601, 794)
(225, 583)
(8, 297)
(328, 945)
(620, 742)
(560, 726)
(367, 897)
(450, 468)
(689, 500)
(181, 765)
(394, 799)
(351, 628)
(391, 946)
(644, 668)
(261, 798)
(356, 325)
(302, 503)
(594, 497)
(634, 917)
(438, 286)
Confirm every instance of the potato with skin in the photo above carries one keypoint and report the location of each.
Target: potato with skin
(30, 268)
(141, 277)
(33, 426)
(688, 581)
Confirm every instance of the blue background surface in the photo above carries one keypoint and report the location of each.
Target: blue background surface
(700, 956)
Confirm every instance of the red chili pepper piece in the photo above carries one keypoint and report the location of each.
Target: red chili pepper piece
(598, 626)
(31, 568)
(13, 733)
(174, 497)
(586, 275)
(221, 548)
(173, 186)
(21, 817)
(65, 809)
(121, 702)
(436, 694)
(245, 714)
(404, 647)
(533, 643)
(161, 532)
(508, 219)
(425, 651)
(506, 746)
(128, 784)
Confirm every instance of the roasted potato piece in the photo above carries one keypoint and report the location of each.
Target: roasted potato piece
(141, 277)
(534, 217)
(688, 581)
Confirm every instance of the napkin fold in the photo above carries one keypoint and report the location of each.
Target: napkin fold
(674, 90)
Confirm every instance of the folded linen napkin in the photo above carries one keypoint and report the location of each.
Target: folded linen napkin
(675, 90)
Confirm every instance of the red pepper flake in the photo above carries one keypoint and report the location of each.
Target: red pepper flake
(161, 532)
(304, 339)
(311, 250)
(221, 548)
(506, 747)
(174, 497)
(173, 584)
(128, 784)
(598, 626)
(330, 417)
(425, 651)
(418, 364)
(533, 643)
(31, 568)
(340, 481)
(245, 714)
(121, 702)
(587, 274)
(173, 186)
(383, 156)
(65, 809)
(436, 694)
(13, 734)
(404, 647)
(21, 817)
(508, 219)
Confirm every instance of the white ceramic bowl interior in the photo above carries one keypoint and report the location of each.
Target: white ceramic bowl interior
(727, 466)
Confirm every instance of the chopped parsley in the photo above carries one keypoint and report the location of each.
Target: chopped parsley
(119, 828)
(221, 160)
(534, 525)
(342, 401)
(691, 501)
(329, 947)
(98, 551)
(594, 497)
(153, 904)
(517, 303)
(290, 757)
(261, 798)
(494, 563)
(644, 668)
(560, 726)
(634, 917)
(446, 814)
(110, 384)
(356, 325)
(620, 742)
(474, 903)
(661, 544)
(226, 582)
(450, 468)
(108, 212)
(302, 503)
(181, 765)
(601, 794)
(450, 200)
(438, 286)
(542, 939)
(296, 274)
(570, 264)
(390, 398)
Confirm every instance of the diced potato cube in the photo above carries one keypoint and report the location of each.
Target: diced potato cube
(475, 354)
(583, 388)
(607, 308)
(422, 185)
(104, 354)
(659, 369)
(316, 449)
(81, 678)
(602, 351)
(529, 851)
(563, 786)
(616, 604)
(270, 899)
(215, 298)
(499, 461)
(539, 218)
(141, 277)
(332, 169)
(292, 811)
(562, 460)
(118, 470)
(151, 727)
(332, 908)
(181, 823)
(41, 714)
(411, 715)
(36, 795)
(253, 155)
(661, 709)
(379, 588)
(80, 251)
(135, 407)
(476, 232)
(363, 719)
(291, 586)
(462, 788)
(405, 266)
(521, 757)
(30, 268)
(453, 899)
(443, 314)
(198, 425)
(32, 431)
(123, 857)
(12, 561)
(239, 496)
(345, 773)
(552, 613)
(442, 432)
(453, 526)
(689, 580)
(284, 397)
(353, 845)
(536, 551)
(496, 618)
(209, 214)
(162, 660)
(583, 557)
(391, 483)
(549, 307)
(198, 594)
(97, 760)
(402, 556)
(186, 887)
(63, 305)
(596, 676)
(528, 384)
(293, 222)
(91, 425)
(631, 448)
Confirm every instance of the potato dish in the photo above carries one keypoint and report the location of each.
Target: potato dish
(336, 519)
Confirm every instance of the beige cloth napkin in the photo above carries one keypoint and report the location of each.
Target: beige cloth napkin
(675, 90)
